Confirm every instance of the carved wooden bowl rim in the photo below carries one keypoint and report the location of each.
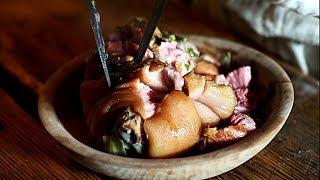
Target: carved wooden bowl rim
(239, 152)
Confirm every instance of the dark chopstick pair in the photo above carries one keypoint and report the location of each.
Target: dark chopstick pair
(103, 54)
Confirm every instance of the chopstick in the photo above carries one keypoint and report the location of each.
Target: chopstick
(151, 26)
(95, 23)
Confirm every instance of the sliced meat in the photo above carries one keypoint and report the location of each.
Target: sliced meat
(243, 103)
(245, 120)
(175, 128)
(132, 94)
(221, 79)
(175, 78)
(219, 98)
(168, 53)
(194, 85)
(241, 125)
(225, 135)
(160, 77)
(208, 117)
(145, 93)
(240, 78)
(154, 75)
(205, 68)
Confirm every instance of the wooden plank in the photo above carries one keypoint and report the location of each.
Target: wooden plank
(35, 42)
(27, 150)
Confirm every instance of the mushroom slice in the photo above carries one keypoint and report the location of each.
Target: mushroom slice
(175, 128)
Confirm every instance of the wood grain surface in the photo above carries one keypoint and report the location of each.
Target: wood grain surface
(37, 37)
(27, 150)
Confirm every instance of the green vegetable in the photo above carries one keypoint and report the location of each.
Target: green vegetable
(114, 145)
(187, 66)
(193, 53)
(169, 36)
(138, 147)
(172, 37)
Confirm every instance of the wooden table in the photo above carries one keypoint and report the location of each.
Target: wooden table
(37, 37)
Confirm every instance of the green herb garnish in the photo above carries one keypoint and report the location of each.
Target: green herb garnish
(187, 66)
(192, 52)
(172, 37)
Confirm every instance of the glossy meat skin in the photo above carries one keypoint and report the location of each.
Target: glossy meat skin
(131, 94)
(153, 75)
(208, 117)
(175, 128)
(205, 68)
(175, 92)
(214, 101)
(194, 85)
(219, 98)
(241, 122)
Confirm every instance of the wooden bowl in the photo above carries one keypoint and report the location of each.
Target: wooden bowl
(269, 74)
